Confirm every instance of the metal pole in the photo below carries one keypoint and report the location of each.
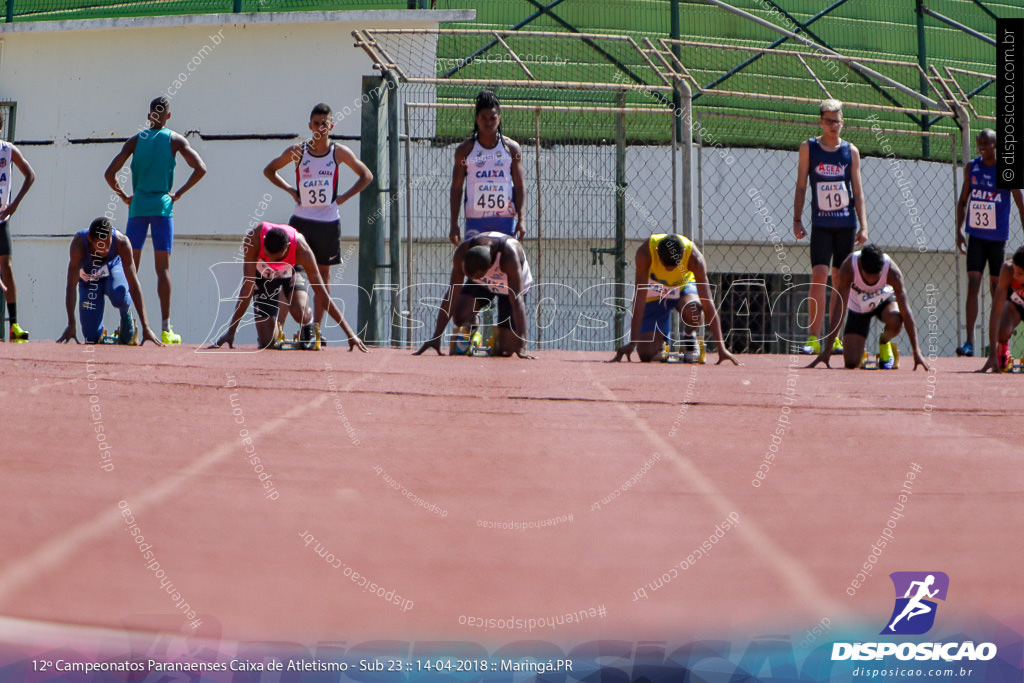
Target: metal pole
(620, 218)
(371, 153)
(956, 252)
(540, 248)
(922, 60)
(686, 165)
(394, 211)
(678, 52)
(10, 19)
(408, 214)
(237, 7)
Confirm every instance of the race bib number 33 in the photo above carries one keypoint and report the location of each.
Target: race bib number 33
(982, 215)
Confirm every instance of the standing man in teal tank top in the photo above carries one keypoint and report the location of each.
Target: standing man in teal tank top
(151, 203)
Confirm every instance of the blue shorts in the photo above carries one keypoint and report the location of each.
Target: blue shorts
(658, 314)
(92, 300)
(163, 232)
(475, 226)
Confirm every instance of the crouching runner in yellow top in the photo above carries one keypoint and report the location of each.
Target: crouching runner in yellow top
(670, 274)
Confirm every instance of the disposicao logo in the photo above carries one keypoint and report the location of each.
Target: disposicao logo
(914, 612)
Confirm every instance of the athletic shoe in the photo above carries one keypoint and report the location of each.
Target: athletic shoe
(475, 342)
(1004, 358)
(317, 339)
(965, 350)
(837, 347)
(886, 360)
(18, 334)
(126, 333)
(812, 347)
(168, 336)
(691, 352)
(306, 337)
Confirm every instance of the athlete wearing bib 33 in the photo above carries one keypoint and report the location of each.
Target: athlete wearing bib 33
(670, 274)
(984, 210)
(837, 204)
(1007, 312)
(317, 162)
(101, 267)
(871, 285)
(273, 254)
(488, 177)
(488, 266)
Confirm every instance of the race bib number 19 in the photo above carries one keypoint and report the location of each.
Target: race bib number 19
(982, 215)
(832, 196)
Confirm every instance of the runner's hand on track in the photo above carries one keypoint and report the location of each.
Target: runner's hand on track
(70, 333)
(226, 338)
(434, 343)
(626, 351)
(355, 342)
(149, 335)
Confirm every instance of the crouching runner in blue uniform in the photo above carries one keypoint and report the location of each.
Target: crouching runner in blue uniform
(101, 267)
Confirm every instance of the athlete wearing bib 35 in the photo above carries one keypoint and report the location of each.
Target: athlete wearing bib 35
(490, 265)
(837, 204)
(100, 267)
(670, 274)
(984, 210)
(273, 255)
(317, 162)
(1007, 312)
(10, 157)
(488, 177)
(151, 205)
(871, 285)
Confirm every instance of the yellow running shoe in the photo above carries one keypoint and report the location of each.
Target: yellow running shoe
(18, 334)
(168, 336)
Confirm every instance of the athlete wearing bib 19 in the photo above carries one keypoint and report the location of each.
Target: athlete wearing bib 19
(832, 165)
(984, 210)
(488, 177)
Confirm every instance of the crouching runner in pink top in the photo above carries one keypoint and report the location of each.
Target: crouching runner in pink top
(273, 254)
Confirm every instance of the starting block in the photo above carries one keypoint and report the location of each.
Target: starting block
(282, 343)
(462, 344)
(677, 356)
(866, 363)
(1015, 365)
(115, 337)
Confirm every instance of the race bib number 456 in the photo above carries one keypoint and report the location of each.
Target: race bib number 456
(489, 199)
(832, 196)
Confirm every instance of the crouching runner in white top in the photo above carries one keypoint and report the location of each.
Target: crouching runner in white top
(486, 266)
(871, 285)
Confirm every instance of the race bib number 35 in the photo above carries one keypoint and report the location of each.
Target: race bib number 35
(832, 196)
(982, 215)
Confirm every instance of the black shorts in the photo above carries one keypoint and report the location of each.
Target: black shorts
(858, 323)
(324, 239)
(505, 319)
(269, 293)
(5, 239)
(831, 246)
(981, 251)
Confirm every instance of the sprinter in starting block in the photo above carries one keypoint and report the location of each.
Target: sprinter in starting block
(671, 275)
(1007, 313)
(870, 285)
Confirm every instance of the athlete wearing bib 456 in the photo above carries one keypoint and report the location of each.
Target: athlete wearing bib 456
(490, 265)
(984, 210)
(670, 274)
(273, 255)
(837, 204)
(151, 205)
(871, 285)
(1007, 312)
(317, 163)
(100, 267)
(10, 157)
(488, 177)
